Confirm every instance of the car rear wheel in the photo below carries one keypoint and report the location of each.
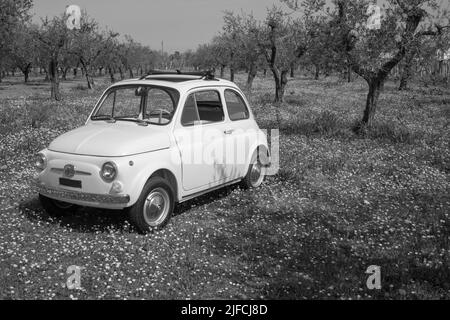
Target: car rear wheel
(56, 208)
(154, 207)
(255, 174)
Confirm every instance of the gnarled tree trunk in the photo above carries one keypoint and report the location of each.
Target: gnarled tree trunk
(316, 72)
(281, 81)
(54, 80)
(375, 87)
(252, 71)
(89, 79)
(231, 73)
(111, 75)
(406, 71)
(26, 69)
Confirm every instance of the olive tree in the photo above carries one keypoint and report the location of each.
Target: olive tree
(87, 44)
(246, 52)
(373, 41)
(13, 13)
(23, 49)
(282, 42)
(433, 35)
(53, 37)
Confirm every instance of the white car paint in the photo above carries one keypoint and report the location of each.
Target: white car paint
(140, 151)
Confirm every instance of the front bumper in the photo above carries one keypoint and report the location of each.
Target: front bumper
(81, 197)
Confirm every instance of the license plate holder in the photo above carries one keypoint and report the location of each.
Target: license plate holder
(70, 183)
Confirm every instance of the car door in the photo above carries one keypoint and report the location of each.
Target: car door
(200, 139)
(240, 134)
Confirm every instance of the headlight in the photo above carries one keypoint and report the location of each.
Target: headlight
(109, 171)
(41, 162)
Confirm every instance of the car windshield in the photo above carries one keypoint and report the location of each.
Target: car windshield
(142, 104)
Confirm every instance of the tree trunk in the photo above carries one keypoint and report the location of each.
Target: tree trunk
(265, 73)
(375, 88)
(26, 75)
(89, 79)
(47, 77)
(252, 70)
(26, 72)
(111, 75)
(130, 70)
(316, 72)
(122, 75)
(292, 71)
(406, 72)
(349, 74)
(75, 71)
(231, 73)
(64, 73)
(280, 84)
(53, 74)
(222, 71)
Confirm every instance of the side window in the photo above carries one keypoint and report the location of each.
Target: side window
(209, 106)
(237, 110)
(202, 107)
(190, 114)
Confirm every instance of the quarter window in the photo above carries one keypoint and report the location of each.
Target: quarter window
(190, 115)
(237, 110)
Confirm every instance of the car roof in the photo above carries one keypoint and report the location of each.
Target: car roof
(179, 82)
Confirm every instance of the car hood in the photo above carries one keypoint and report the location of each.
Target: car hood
(112, 140)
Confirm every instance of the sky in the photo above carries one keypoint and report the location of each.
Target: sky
(181, 24)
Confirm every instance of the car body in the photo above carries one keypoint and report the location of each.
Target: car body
(182, 135)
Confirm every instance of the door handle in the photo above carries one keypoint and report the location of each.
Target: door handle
(229, 132)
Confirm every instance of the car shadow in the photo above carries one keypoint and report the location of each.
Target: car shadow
(205, 199)
(92, 220)
(86, 220)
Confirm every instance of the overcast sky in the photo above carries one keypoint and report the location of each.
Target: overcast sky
(181, 24)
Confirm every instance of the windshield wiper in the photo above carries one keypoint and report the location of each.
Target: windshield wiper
(138, 121)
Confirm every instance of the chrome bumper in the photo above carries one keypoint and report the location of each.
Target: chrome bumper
(68, 196)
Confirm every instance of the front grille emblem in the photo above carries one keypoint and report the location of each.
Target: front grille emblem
(69, 171)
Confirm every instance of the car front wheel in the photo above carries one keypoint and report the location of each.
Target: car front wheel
(154, 207)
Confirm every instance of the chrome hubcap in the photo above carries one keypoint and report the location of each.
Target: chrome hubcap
(256, 174)
(156, 207)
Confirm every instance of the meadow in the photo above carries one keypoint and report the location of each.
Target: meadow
(340, 203)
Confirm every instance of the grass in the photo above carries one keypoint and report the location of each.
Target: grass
(340, 203)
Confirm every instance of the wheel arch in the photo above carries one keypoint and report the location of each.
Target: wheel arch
(167, 175)
(154, 171)
(262, 151)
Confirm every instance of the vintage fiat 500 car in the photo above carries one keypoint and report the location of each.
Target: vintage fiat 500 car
(153, 142)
